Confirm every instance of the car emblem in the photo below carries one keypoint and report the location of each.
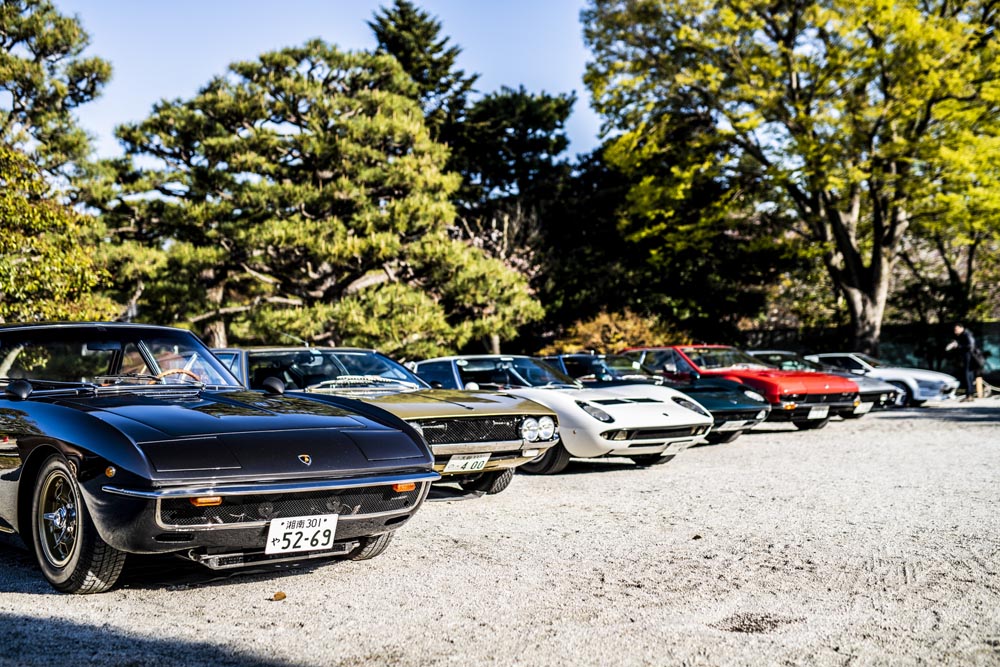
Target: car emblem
(305, 458)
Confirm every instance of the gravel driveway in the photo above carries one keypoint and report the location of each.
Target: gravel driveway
(874, 541)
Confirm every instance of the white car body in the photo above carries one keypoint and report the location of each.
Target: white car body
(922, 385)
(645, 419)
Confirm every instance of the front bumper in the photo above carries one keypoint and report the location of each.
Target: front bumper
(810, 411)
(503, 455)
(737, 420)
(150, 520)
(637, 441)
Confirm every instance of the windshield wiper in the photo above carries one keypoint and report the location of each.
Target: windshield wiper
(360, 380)
(129, 376)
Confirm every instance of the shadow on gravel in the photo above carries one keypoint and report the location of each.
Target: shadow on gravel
(587, 466)
(982, 414)
(45, 641)
(20, 574)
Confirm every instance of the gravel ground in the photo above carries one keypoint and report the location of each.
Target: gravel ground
(874, 541)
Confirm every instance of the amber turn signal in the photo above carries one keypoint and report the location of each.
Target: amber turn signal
(206, 501)
(110, 471)
(406, 486)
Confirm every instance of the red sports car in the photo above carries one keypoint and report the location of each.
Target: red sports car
(806, 399)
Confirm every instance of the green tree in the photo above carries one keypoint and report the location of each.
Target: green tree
(301, 194)
(47, 265)
(43, 80)
(414, 38)
(842, 107)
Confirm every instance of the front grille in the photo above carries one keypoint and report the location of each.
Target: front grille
(819, 399)
(665, 433)
(473, 429)
(258, 508)
(736, 415)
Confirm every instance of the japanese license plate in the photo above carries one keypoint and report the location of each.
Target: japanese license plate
(863, 408)
(301, 533)
(729, 426)
(819, 412)
(466, 462)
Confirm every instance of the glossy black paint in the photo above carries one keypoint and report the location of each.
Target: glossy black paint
(188, 436)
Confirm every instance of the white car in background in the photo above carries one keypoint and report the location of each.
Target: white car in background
(646, 424)
(917, 384)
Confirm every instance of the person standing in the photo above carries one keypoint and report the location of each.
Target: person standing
(965, 343)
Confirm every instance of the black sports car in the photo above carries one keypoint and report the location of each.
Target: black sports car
(118, 439)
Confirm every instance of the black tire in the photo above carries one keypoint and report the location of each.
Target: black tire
(646, 460)
(489, 483)
(906, 399)
(70, 553)
(371, 547)
(551, 462)
(812, 424)
(720, 438)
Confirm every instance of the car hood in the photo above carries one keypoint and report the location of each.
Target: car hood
(631, 404)
(789, 382)
(454, 403)
(865, 382)
(251, 432)
(920, 374)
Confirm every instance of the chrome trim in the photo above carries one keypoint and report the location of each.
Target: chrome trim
(200, 528)
(446, 449)
(211, 561)
(288, 487)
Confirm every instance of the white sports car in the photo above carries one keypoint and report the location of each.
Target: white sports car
(918, 385)
(646, 424)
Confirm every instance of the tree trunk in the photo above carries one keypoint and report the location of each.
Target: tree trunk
(866, 305)
(493, 345)
(215, 333)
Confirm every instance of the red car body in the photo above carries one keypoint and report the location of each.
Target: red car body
(807, 399)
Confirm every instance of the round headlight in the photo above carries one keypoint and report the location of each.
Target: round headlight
(546, 428)
(529, 429)
(691, 405)
(753, 396)
(596, 412)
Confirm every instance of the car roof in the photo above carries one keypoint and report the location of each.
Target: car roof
(771, 352)
(291, 348)
(26, 326)
(456, 357)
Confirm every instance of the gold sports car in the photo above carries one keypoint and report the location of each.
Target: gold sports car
(477, 438)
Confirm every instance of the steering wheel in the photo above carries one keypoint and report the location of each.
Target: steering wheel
(177, 371)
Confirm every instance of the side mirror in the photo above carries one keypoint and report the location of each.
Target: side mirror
(18, 390)
(471, 386)
(695, 375)
(273, 386)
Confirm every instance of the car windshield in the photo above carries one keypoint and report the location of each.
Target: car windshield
(871, 361)
(511, 371)
(723, 357)
(788, 361)
(312, 368)
(109, 356)
(611, 366)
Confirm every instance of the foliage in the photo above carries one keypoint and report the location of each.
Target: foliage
(43, 80)
(610, 332)
(47, 265)
(302, 194)
(414, 38)
(840, 108)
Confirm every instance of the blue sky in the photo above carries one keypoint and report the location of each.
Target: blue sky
(170, 49)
